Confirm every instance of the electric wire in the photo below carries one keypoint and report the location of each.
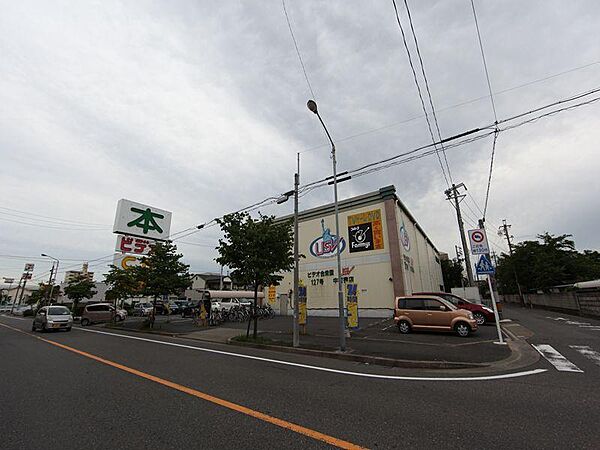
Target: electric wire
(456, 105)
(487, 75)
(298, 50)
(435, 120)
(489, 183)
(415, 78)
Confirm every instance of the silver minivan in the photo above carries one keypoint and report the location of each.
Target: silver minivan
(98, 312)
(52, 318)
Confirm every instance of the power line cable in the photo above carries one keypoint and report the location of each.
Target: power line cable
(74, 222)
(415, 78)
(456, 105)
(50, 227)
(489, 183)
(487, 75)
(298, 50)
(435, 120)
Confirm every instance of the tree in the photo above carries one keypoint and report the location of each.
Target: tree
(256, 250)
(452, 273)
(122, 284)
(43, 293)
(549, 261)
(79, 288)
(162, 273)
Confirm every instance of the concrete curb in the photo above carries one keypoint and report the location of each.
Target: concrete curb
(365, 359)
(522, 354)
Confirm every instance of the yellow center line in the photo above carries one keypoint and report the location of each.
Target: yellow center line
(209, 398)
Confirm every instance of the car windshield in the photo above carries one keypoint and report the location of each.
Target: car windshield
(58, 311)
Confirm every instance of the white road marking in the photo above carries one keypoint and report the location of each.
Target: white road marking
(388, 327)
(586, 351)
(322, 369)
(561, 363)
(590, 327)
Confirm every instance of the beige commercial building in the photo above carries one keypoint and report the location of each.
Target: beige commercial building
(383, 250)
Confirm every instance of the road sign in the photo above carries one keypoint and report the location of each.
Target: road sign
(29, 267)
(136, 219)
(478, 241)
(484, 266)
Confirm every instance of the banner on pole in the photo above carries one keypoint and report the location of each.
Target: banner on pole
(302, 305)
(352, 305)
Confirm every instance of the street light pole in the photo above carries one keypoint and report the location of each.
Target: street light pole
(296, 327)
(312, 105)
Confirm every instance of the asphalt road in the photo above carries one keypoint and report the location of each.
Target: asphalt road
(133, 393)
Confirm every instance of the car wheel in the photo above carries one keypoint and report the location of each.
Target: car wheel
(33, 327)
(462, 329)
(479, 318)
(85, 322)
(118, 318)
(68, 328)
(404, 327)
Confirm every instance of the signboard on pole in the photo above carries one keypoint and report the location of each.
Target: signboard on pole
(135, 245)
(136, 219)
(302, 305)
(478, 241)
(484, 266)
(272, 294)
(29, 267)
(352, 305)
(124, 261)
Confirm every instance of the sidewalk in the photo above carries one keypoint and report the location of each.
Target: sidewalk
(377, 340)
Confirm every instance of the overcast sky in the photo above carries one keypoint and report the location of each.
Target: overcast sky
(200, 108)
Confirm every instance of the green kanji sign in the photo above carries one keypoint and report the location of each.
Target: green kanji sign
(146, 220)
(136, 219)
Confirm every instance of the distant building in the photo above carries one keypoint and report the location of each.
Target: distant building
(209, 280)
(72, 275)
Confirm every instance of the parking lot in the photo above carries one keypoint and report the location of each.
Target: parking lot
(375, 337)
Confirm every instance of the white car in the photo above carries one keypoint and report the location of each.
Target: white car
(19, 310)
(142, 309)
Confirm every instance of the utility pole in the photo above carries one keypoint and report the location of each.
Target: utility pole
(460, 260)
(296, 335)
(503, 231)
(50, 283)
(17, 293)
(453, 194)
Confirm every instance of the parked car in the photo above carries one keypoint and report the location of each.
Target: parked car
(432, 313)
(228, 303)
(21, 310)
(52, 318)
(174, 308)
(481, 313)
(142, 309)
(188, 309)
(98, 312)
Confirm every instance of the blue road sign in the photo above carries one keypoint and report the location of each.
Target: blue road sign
(484, 266)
